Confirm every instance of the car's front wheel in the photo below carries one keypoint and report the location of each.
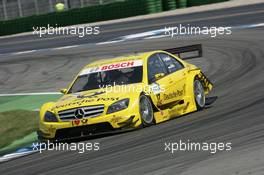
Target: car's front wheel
(199, 94)
(146, 111)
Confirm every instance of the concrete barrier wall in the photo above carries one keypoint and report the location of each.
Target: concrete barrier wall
(116, 10)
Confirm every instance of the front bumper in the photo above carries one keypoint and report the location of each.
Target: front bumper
(88, 126)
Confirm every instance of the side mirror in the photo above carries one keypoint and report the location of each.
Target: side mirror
(63, 91)
(159, 76)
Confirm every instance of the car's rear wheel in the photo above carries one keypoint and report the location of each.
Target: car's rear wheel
(199, 94)
(146, 111)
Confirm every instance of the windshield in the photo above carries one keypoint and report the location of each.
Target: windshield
(107, 78)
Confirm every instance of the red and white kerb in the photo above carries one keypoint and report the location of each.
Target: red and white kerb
(112, 66)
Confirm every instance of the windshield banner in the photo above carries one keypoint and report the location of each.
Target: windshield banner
(112, 66)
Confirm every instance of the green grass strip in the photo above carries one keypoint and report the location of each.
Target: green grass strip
(26, 102)
(25, 141)
(16, 125)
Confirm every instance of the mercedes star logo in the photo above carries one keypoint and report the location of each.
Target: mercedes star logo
(79, 113)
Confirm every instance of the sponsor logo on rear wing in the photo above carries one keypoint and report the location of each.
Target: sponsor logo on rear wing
(187, 52)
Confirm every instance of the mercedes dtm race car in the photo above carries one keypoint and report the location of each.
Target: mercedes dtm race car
(125, 93)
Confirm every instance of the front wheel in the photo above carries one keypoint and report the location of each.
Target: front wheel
(146, 111)
(199, 94)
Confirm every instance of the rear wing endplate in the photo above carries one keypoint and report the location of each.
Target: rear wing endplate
(187, 52)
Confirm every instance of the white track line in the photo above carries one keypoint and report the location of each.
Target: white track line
(15, 155)
(249, 26)
(65, 47)
(154, 34)
(23, 52)
(145, 35)
(141, 35)
(109, 42)
(155, 37)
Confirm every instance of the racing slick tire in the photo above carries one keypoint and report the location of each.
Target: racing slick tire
(199, 94)
(146, 111)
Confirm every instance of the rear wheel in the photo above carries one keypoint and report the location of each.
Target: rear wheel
(199, 94)
(146, 111)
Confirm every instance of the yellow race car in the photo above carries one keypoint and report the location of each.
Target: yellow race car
(126, 93)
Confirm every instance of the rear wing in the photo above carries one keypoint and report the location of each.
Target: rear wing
(187, 52)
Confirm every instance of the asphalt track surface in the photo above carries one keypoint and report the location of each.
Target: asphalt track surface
(233, 63)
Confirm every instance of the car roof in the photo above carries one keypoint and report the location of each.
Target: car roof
(135, 56)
